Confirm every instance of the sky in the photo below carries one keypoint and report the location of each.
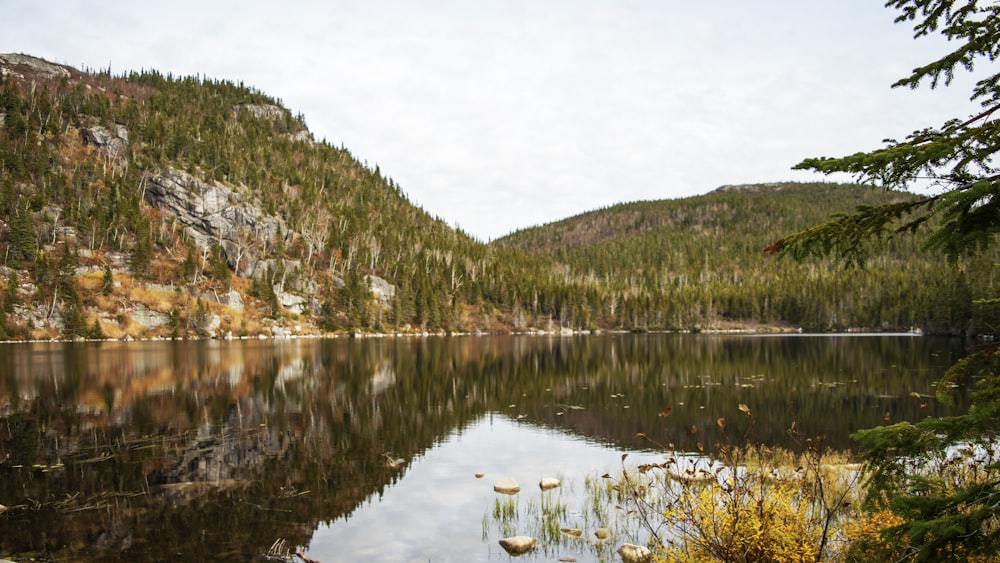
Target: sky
(496, 115)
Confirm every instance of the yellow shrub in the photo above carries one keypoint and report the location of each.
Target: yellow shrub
(763, 522)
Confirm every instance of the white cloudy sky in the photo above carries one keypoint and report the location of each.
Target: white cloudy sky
(501, 114)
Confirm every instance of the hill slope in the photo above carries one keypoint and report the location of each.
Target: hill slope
(698, 262)
(116, 188)
(150, 205)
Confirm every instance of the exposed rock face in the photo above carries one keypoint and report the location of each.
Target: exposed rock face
(35, 65)
(292, 302)
(261, 111)
(751, 188)
(231, 298)
(214, 213)
(383, 291)
(113, 143)
(148, 318)
(303, 136)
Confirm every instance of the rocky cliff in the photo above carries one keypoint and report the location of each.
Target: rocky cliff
(100, 284)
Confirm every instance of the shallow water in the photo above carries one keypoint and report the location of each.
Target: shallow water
(163, 450)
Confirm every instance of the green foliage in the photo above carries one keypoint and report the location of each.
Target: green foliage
(750, 504)
(946, 500)
(938, 477)
(21, 237)
(681, 264)
(958, 155)
(262, 289)
(687, 264)
(218, 267)
(108, 281)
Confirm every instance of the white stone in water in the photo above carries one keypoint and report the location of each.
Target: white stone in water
(631, 553)
(507, 486)
(517, 545)
(549, 483)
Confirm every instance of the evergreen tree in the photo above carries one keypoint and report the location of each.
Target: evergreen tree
(948, 514)
(218, 268)
(21, 237)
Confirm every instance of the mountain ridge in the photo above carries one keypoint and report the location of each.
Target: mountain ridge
(146, 205)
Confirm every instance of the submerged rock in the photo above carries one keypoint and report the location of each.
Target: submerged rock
(517, 545)
(549, 483)
(507, 486)
(631, 553)
(602, 533)
(575, 532)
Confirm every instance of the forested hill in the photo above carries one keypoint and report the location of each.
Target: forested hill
(698, 262)
(153, 205)
(762, 212)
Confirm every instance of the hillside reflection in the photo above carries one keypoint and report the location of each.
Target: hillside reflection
(216, 449)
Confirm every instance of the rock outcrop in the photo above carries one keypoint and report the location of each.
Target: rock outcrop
(383, 291)
(113, 143)
(261, 111)
(12, 61)
(213, 213)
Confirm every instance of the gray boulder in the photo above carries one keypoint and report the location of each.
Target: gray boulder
(516, 545)
(383, 291)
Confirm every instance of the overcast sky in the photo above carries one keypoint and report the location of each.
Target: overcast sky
(500, 114)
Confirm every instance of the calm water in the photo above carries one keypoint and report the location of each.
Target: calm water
(218, 450)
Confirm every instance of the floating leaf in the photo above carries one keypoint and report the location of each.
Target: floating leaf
(744, 408)
(666, 412)
(640, 435)
(694, 429)
(722, 423)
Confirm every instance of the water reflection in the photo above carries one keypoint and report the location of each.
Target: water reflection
(196, 449)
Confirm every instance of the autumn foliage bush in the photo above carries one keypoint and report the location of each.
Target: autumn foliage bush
(751, 503)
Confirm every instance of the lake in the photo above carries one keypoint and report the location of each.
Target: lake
(369, 449)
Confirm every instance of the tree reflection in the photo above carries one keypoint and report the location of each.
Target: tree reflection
(194, 449)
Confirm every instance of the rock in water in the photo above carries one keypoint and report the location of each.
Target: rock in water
(548, 483)
(507, 486)
(517, 545)
(632, 553)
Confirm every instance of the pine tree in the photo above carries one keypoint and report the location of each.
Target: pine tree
(948, 514)
(21, 237)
